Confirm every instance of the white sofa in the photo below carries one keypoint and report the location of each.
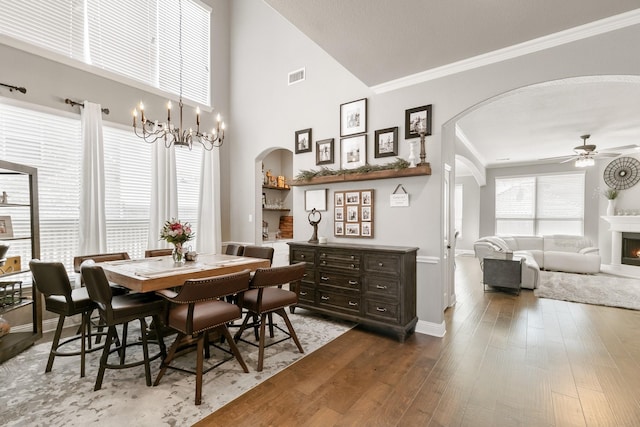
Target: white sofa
(571, 254)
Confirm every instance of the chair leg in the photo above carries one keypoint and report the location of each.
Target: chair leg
(242, 327)
(263, 320)
(159, 336)
(255, 326)
(169, 357)
(105, 355)
(199, 368)
(83, 337)
(55, 343)
(271, 325)
(145, 351)
(234, 347)
(283, 314)
(123, 345)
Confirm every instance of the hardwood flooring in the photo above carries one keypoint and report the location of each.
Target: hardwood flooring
(506, 360)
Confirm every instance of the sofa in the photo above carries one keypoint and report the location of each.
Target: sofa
(571, 254)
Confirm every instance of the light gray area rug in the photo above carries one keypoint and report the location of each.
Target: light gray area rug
(61, 398)
(599, 289)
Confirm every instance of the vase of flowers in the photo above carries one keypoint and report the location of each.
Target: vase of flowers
(611, 194)
(177, 233)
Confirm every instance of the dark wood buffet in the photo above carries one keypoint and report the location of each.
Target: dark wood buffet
(369, 284)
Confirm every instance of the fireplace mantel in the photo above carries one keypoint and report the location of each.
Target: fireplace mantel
(617, 225)
(629, 223)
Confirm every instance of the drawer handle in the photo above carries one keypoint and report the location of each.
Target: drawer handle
(302, 256)
(303, 294)
(382, 310)
(323, 255)
(324, 278)
(324, 298)
(380, 264)
(353, 304)
(353, 266)
(353, 257)
(353, 282)
(305, 275)
(324, 263)
(381, 287)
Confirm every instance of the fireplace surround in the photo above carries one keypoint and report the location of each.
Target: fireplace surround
(629, 226)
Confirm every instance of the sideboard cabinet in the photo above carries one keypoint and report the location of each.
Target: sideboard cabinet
(369, 284)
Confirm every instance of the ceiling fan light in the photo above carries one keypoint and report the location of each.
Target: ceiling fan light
(584, 162)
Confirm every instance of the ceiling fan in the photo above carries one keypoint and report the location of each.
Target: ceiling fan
(586, 154)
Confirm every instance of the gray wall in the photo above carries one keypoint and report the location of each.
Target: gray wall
(470, 212)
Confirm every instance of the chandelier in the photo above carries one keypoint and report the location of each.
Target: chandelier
(152, 131)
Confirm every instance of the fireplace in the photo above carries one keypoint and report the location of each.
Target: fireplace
(631, 249)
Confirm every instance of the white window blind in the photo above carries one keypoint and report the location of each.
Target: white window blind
(538, 205)
(134, 38)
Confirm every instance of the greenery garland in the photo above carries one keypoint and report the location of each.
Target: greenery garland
(307, 175)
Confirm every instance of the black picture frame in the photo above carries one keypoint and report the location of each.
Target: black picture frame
(324, 152)
(353, 117)
(386, 142)
(412, 116)
(303, 141)
(353, 152)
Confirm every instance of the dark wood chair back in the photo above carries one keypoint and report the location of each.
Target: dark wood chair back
(234, 249)
(264, 252)
(113, 256)
(150, 253)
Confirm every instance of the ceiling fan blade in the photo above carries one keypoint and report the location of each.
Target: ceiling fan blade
(606, 155)
(570, 159)
(623, 148)
(551, 159)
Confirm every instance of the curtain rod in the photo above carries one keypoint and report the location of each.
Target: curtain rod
(12, 88)
(74, 103)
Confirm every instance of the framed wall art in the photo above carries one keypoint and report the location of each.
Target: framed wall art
(6, 228)
(353, 152)
(303, 141)
(353, 117)
(415, 119)
(386, 142)
(315, 199)
(324, 152)
(353, 213)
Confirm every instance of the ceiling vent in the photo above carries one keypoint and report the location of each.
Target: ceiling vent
(296, 76)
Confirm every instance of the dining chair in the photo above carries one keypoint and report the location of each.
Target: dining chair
(52, 281)
(234, 249)
(150, 253)
(196, 310)
(112, 256)
(120, 310)
(265, 297)
(264, 252)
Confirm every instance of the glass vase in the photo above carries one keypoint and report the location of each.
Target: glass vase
(178, 254)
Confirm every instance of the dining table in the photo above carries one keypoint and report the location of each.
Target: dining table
(157, 273)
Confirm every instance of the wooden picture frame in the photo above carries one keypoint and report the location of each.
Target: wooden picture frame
(324, 151)
(6, 227)
(303, 141)
(353, 117)
(353, 217)
(386, 142)
(353, 152)
(414, 117)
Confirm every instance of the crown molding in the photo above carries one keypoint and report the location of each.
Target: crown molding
(591, 29)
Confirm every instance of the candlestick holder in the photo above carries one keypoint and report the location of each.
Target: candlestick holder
(423, 150)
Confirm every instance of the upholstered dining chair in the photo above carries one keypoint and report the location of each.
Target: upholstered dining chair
(120, 310)
(112, 256)
(150, 253)
(234, 249)
(198, 309)
(266, 296)
(264, 252)
(52, 281)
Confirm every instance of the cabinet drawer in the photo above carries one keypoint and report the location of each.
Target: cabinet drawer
(307, 294)
(382, 263)
(381, 285)
(339, 259)
(382, 310)
(345, 281)
(303, 255)
(344, 302)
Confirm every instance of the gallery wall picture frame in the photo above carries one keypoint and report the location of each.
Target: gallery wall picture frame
(353, 117)
(414, 117)
(353, 213)
(324, 152)
(303, 141)
(6, 227)
(386, 142)
(315, 199)
(353, 152)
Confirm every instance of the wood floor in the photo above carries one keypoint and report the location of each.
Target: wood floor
(506, 360)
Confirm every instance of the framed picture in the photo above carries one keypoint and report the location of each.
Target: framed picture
(353, 197)
(339, 228)
(353, 230)
(365, 213)
(6, 228)
(353, 213)
(353, 152)
(386, 143)
(366, 198)
(366, 229)
(324, 152)
(415, 119)
(339, 199)
(353, 117)
(315, 199)
(303, 141)
(339, 214)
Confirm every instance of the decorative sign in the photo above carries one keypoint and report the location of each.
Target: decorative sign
(353, 213)
(399, 199)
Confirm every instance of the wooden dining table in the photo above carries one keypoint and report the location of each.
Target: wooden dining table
(156, 273)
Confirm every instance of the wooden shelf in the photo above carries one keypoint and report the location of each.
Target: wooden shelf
(273, 187)
(384, 174)
(276, 210)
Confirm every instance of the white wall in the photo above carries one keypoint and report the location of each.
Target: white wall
(470, 212)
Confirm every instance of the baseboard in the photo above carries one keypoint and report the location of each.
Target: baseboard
(430, 328)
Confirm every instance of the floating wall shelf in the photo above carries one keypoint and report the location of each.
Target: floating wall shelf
(383, 174)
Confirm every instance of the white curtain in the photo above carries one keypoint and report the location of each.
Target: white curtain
(93, 229)
(209, 230)
(164, 193)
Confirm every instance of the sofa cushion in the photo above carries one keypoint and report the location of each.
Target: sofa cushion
(571, 262)
(529, 242)
(562, 243)
(497, 242)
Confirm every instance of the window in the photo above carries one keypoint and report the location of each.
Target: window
(138, 39)
(542, 204)
(52, 145)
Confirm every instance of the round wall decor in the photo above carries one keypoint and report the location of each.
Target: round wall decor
(622, 173)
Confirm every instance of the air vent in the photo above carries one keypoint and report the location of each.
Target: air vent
(296, 76)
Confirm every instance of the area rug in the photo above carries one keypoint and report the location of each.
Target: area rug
(61, 398)
(599, 289)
